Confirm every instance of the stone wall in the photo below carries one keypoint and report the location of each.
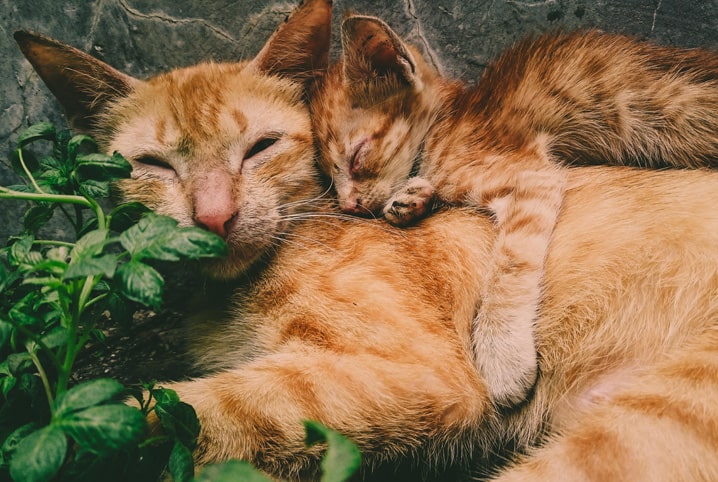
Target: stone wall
(144, 37)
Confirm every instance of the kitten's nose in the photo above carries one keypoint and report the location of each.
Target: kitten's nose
(353, 206)
(218, 223)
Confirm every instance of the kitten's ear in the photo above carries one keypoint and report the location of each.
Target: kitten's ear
(82, 84)
(371, 49)
(299, 48)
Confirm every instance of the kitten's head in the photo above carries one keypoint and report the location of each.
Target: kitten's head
(371, 114)
(227, 147)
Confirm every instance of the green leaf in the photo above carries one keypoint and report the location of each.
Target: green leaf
(7, 379)
(6, 330)
(158, 237)
(181, 464)
(91, 266)
(37, 216)
(24, 312)
(20, 250)
(85, 259)
(75, 144)
(95, 189)
(86, 395)
(19, 362)
(41, 130)
(102, 167)
(91, 243)
(165, 398)
(12, 440)
(181, 421)
(39, 456)
(51, 266)
(104, 428)
(54, 338)
(141, 283)
(342, 458)
(126, 215)
(146, 233)
(234, 470)
(60, 253)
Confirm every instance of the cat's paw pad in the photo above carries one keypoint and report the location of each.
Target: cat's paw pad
(507, 363)
(412, 202)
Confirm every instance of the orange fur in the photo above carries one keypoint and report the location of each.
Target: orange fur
(367, 328)
(384, 114)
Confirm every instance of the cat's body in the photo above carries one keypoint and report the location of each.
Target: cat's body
(580, 98)
(367, 328)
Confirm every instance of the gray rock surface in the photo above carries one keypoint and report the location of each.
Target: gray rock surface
(144, 37)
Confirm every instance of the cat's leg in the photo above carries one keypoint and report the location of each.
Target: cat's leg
(503, 330)
(387, 407)
(413, 201)
(660, 427)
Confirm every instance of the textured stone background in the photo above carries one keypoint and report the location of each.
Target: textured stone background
(144, 37)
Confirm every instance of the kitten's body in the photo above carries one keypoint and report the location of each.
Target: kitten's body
(580, 98)
(367, 329)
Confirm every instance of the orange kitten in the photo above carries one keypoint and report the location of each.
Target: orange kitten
(367, 328)
(394, 134)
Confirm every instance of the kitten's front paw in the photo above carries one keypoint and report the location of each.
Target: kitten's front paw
(412, 202)
(506, 359)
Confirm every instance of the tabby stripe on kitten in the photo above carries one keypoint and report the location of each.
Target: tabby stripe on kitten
(560, 99)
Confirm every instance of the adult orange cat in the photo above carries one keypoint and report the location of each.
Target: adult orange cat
(366, 328)
(384, 115)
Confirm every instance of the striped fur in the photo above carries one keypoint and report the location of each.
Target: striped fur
(367, 328)
(579, 98)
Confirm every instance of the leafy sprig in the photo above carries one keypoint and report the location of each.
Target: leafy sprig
(54, 296)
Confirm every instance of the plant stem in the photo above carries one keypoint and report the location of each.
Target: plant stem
(43, 377)
(52, 242)
(6, 193)
(37, 340)
(27, 172)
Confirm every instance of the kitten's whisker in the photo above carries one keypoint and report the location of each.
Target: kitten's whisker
(344, 217)
(284, 239)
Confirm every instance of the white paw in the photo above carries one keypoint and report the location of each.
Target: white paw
(506, 359)
(412, 202)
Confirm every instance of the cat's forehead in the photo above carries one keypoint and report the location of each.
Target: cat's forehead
(207, 104)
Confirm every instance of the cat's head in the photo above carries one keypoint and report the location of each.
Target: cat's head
(227, 147)
(372, 113)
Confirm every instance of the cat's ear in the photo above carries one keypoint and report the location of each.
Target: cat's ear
(371, 49)
(83, 84)
(299, 48)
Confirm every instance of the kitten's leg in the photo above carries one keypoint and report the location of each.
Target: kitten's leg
(662, 427)
(412, 202)
(503, 331)
(387, 407)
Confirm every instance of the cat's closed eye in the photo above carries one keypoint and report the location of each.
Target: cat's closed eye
(156, 165)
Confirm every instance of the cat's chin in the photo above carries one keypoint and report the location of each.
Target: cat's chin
(236, 263)
(226, 269)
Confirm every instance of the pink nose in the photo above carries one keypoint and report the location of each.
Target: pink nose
(218, 223)
(352, 205)
(214, 204)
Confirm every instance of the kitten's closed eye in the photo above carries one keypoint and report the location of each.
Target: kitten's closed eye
(356, 163)
(261, 145)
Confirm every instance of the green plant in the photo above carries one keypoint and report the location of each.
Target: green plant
(54, 296)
